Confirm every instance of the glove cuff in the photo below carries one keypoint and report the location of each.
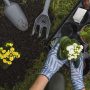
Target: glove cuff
(47, 72)
(78, 85)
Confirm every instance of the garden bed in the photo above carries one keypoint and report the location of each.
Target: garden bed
(28, 46)
(22, 73)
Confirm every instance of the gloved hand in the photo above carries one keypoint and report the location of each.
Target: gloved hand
(77, 75)
(52, 64)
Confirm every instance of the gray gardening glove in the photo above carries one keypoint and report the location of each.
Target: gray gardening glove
(52, 64)
(77, 75)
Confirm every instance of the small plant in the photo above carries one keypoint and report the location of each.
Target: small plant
(8, 53)
(85, 33)
(69, 48)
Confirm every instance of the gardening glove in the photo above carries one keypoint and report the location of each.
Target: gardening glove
(52, 64)
(77, 75)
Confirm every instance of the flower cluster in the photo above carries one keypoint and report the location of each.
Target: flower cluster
(74, 51)
(8, 53)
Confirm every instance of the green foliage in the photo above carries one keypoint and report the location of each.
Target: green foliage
(2, 88)
(64, 42)
(87, 81)
(60, 9)
(85, 33)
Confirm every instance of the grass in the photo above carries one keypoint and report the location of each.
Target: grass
(59, 9)
(87, 81)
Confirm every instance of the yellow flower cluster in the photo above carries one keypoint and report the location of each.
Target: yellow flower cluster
(9, 54)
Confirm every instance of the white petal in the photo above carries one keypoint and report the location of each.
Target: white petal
(75, 44)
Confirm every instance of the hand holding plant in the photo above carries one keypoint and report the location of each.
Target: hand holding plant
(70, 48)
(77, 75)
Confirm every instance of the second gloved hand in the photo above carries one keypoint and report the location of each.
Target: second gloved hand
(77, 75)
(52, 64)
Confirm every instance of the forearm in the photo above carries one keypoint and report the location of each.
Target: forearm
(40, 83)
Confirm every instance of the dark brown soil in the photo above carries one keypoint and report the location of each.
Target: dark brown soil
(29, 46)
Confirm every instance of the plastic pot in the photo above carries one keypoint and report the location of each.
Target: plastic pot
(68, 29)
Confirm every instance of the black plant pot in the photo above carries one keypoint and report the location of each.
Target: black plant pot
(76, 63)
(69, 29)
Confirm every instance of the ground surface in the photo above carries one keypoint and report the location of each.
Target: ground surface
(23, 72)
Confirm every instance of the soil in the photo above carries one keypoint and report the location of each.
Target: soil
(29, 46)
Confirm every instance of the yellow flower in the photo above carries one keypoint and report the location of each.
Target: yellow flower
(7, 53)
(1, 48)
(12, 49)
(4, 56)
(9, 62)
(4, 61)
(9, 44)
(1, 56)
(18, 56)
(3, 51)
(15, 53)
(11, 58)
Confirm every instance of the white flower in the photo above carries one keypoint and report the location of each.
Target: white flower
(74, 51)
(75, 44)
(71, 51)
(72, 57)
(75, 57)
(75, 54)
(81, 46)
(69, 48)
(69, 58)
